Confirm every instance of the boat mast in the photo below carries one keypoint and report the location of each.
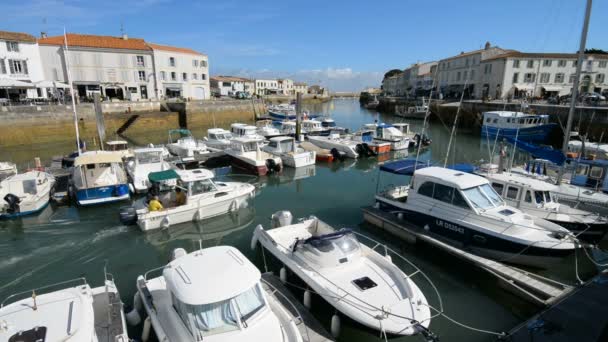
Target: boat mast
(579, 66)
(67, 66)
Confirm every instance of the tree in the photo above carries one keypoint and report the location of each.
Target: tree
(597, 51)
(392, 73)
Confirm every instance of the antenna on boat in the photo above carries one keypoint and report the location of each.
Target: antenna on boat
(447, 154)
(579, 66)
(72, 95)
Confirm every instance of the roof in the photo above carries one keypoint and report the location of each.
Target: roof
(98, 157)
(194, 175)
(523, 181)
(174, 49)
(450, 177)
(230, 79)
(17, 36)
(148, 149)
(281, 138)
(518, 54)
(469, 53)
(217, 130)
(156, 177)
(302, 84)
(210, 275)
(93, 41)
(404, 166)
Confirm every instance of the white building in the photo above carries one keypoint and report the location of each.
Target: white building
(266, 87)
(300, 87)
(230, 85)
(516, 74)
(181, 72)
(285, 86)
(115, 67)
(416, 80)
(465, 69)
(20, 61)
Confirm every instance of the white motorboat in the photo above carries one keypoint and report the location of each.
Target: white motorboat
(218, 139)
(7, 169)
(388, 133)
(465, 210)
(119, 146)
(415, 138)
(330, 125)
(181, 143)
(314, 127)
(214, 294)
(289, 128)
(99, 177)
(247, 154)
(357, 280)
(267, 129)
(25, 193)
(240, 130)
(202, 198)
(323, 155)
(290, 153)
(146, 160)
(349, 147)
(536, 198)
(73, 314)
(599, 151)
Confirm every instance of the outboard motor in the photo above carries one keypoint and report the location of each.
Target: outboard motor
(128, 216)
(426, 141)
(360, 150)
(13, 203)
(272, 166)
(368, 150)
(336, 154)
(281, 218)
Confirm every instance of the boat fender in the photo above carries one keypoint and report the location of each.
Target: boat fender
(165, 223)
(178, 253)
(133, 317)
(400, 216)
(131, 188)
(389, 258)
(145, 333)
(283, 274)
(271, 165)
(13, 203)
(307, 299)
(335, 325)
(254, 238)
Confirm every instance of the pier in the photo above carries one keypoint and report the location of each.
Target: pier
(529, 286)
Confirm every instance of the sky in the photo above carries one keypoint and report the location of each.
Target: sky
(344, 45)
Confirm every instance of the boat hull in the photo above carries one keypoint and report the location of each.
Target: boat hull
(532, 134)
(103, 194)
(248, 166)
(588, 232)
(329, 144)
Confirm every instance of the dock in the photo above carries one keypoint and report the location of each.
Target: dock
(310, 329)
(529, 286)
(581, 315)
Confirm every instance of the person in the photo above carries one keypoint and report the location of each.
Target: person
(180, 197)
(155, 204)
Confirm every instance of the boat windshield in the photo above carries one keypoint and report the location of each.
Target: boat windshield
(148, 157)
(220, 136)
(220, 317)
(328, 124)
(483, 197)
(543, 197)
(347, 243)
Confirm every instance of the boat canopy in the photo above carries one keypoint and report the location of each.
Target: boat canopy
(98, 158)
(404, 167)
(157, 177)
(180, 131)
(540, 152)
(593, 162)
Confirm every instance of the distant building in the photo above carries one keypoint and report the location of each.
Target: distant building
(230, 85)
(517, 74)
(20, 61)
(266, 87)
(300, 87)
(115, 67)
(181, 72)
(390, 85)
(285, 86)
(416, 80)
(318, 90)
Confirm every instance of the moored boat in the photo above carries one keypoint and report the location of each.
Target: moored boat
(25, 193)
(290, 153)
(349, 147)
(247, 154)
(517, 125)
(99, 177)
(181, 143)
(218, 139)
(146, 160)
(7, 169)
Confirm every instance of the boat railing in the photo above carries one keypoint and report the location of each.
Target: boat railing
(297, 317)
(152, 271)
(44, 289)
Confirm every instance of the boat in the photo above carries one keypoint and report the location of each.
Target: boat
(417, 112)
(214, 294)
(181, 143)
(366, 136)
(25, 193)
(99, 177)
(291, 154)
(118, 146)
(241, 130)
(330, 124)
(7, 169)
(350, 148)
(146, 160)
(372, 104)
(289, 128)
(267, 129)
(355, 279)
(415, 138)
(517, 125)
(322, 154)
(591, 150)
(204, 198)
(282, 112)
(247, 154)
(75, 312)
(466, 211)
(314, 127)
(388, 133)
(218, 139)
(536, 198)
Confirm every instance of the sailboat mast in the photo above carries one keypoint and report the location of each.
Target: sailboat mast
(575, 84)
(67, 66)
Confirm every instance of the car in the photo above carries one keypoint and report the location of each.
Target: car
(592, 97)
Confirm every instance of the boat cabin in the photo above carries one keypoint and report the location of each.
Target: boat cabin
(117, 145)
(177, 134)
(403, 127)
(328, 123)
(311, 125)
(327, 247)
(149, 155)
(98, 169)
(386, 131)
(193, 183)
(243, 145)
(523, 191)
(288, 127)
(592, 174)
(282, 144)
(513, 120)
(243, 130)
(218, 134)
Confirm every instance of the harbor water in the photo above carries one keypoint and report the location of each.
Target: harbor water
(68, 242)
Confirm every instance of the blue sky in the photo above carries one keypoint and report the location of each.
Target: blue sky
(345, 45)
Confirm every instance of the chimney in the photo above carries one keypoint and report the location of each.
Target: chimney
(43, 34)
(487, 46)
(124, 36)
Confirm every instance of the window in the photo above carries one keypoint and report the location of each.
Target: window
(17, 66)
(195, 63)
(443, 193)
(465, 75)
(529, 77)
(596, 172)
(561, 63)
(458, 76)
(459, 201)
(547, 62)
(516, 63)
(602, 64)
(544, 77)
(141, 75)
(531, 63)
(515, 77)
(574, 63)
(487, 69)
(559, 78)
(203, 64)
(203, 77)
(201, 187)
(498, 187)
(572, 77)
(472, 75)
(599, 78)
(172, 61)
(483, 197)
(226, 84)
(173, 76)
(426, 189)
(163, 76)
(3, 67)
(132, 90)
(528, 197)
(512, 192)
(194, 76)
(12, 46)
(140, 61)
(184, 76)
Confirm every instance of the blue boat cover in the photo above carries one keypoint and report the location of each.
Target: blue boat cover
(548, 153)
(463, 167)
(404, 166)
(591, 162)
(384, 125)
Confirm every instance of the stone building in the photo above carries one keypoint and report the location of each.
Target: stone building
(300, 87)
(20, 62)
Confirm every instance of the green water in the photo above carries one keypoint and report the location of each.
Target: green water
(65, 243)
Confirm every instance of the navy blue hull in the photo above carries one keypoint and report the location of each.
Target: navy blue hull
(532, 134)
(592, 233)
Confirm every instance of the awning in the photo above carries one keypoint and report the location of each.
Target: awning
(10, 83)
(404, 166)
(553, 88)
(51, 84)
(174, 88)
(98, 158)
(524, 86)
(160, 176)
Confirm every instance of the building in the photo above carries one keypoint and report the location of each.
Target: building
(517, 74)
(181, 72)
(20, 61)
(318, 90)
(416, 80)
(266, 87)
(300, 87)
(390, 85)
(463, 72)
(285, 86)
(230, 85)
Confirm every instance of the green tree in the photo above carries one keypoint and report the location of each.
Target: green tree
(392, 73)
(596, 51)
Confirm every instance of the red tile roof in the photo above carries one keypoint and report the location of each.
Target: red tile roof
(544, 55)
(17, 36)
(175, 49)
(230, 79)
(106, 42)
